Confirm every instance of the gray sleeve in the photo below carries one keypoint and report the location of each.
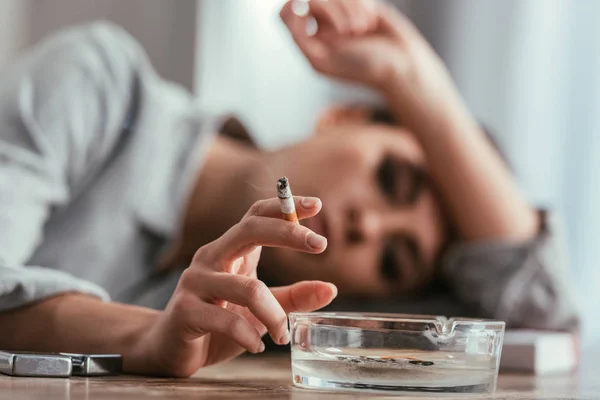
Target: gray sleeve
(525, 284)
(62, 108)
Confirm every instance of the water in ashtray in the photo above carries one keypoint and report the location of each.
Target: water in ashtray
(381, 370)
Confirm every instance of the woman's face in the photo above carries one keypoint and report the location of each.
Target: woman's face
(383, 221)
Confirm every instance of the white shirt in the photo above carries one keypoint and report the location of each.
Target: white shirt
(97, 154)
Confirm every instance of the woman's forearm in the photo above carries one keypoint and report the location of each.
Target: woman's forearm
(475, 183)
(79, 324)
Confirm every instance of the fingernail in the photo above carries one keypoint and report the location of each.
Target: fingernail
(310, 202)
(261, 348)
(334, 289)
(316, 241)
(300, 8)
(285, 338)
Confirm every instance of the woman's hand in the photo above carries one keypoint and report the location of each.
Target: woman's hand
(220, 308)
(372, 43)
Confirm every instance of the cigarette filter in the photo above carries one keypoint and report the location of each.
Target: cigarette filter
(286, 200)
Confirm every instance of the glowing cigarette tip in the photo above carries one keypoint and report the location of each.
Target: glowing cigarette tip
(283, 188)
(286, 200)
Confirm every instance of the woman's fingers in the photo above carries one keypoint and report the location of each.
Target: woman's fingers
(306, 207)
(263, 226)
(305, 296)
(331, 16)
(314, 49)
(246, 292)
(254, 231)
(359, 14)
(334, 17)
(196, 318)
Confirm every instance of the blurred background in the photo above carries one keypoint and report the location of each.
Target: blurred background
(529, 69)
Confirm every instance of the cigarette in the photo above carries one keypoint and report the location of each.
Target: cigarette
(286, 200)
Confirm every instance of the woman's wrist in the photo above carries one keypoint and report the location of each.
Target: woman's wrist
(425, 103)
(103, 328)
(140, 351)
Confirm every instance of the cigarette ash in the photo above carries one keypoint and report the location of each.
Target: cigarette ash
(283, 188)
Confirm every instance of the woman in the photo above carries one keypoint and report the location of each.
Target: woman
(108, 173)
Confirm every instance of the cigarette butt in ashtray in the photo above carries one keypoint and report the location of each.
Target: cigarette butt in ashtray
(286, 200)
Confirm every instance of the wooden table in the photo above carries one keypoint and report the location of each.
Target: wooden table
(266, 377)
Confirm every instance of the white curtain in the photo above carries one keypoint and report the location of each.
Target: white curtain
(529, 68)
(166, 29)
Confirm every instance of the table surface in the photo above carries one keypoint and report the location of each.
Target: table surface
(267, 377)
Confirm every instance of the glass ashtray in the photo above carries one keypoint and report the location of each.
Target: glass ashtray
(395, 353)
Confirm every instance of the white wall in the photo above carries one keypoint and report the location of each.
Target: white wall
(14, 26)
(248, 64)
(166, 29)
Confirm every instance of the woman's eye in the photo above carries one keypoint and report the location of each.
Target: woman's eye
(389, 267)
(387, 177)
(400, 182)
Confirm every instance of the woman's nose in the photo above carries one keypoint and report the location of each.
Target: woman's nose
(364, 225)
